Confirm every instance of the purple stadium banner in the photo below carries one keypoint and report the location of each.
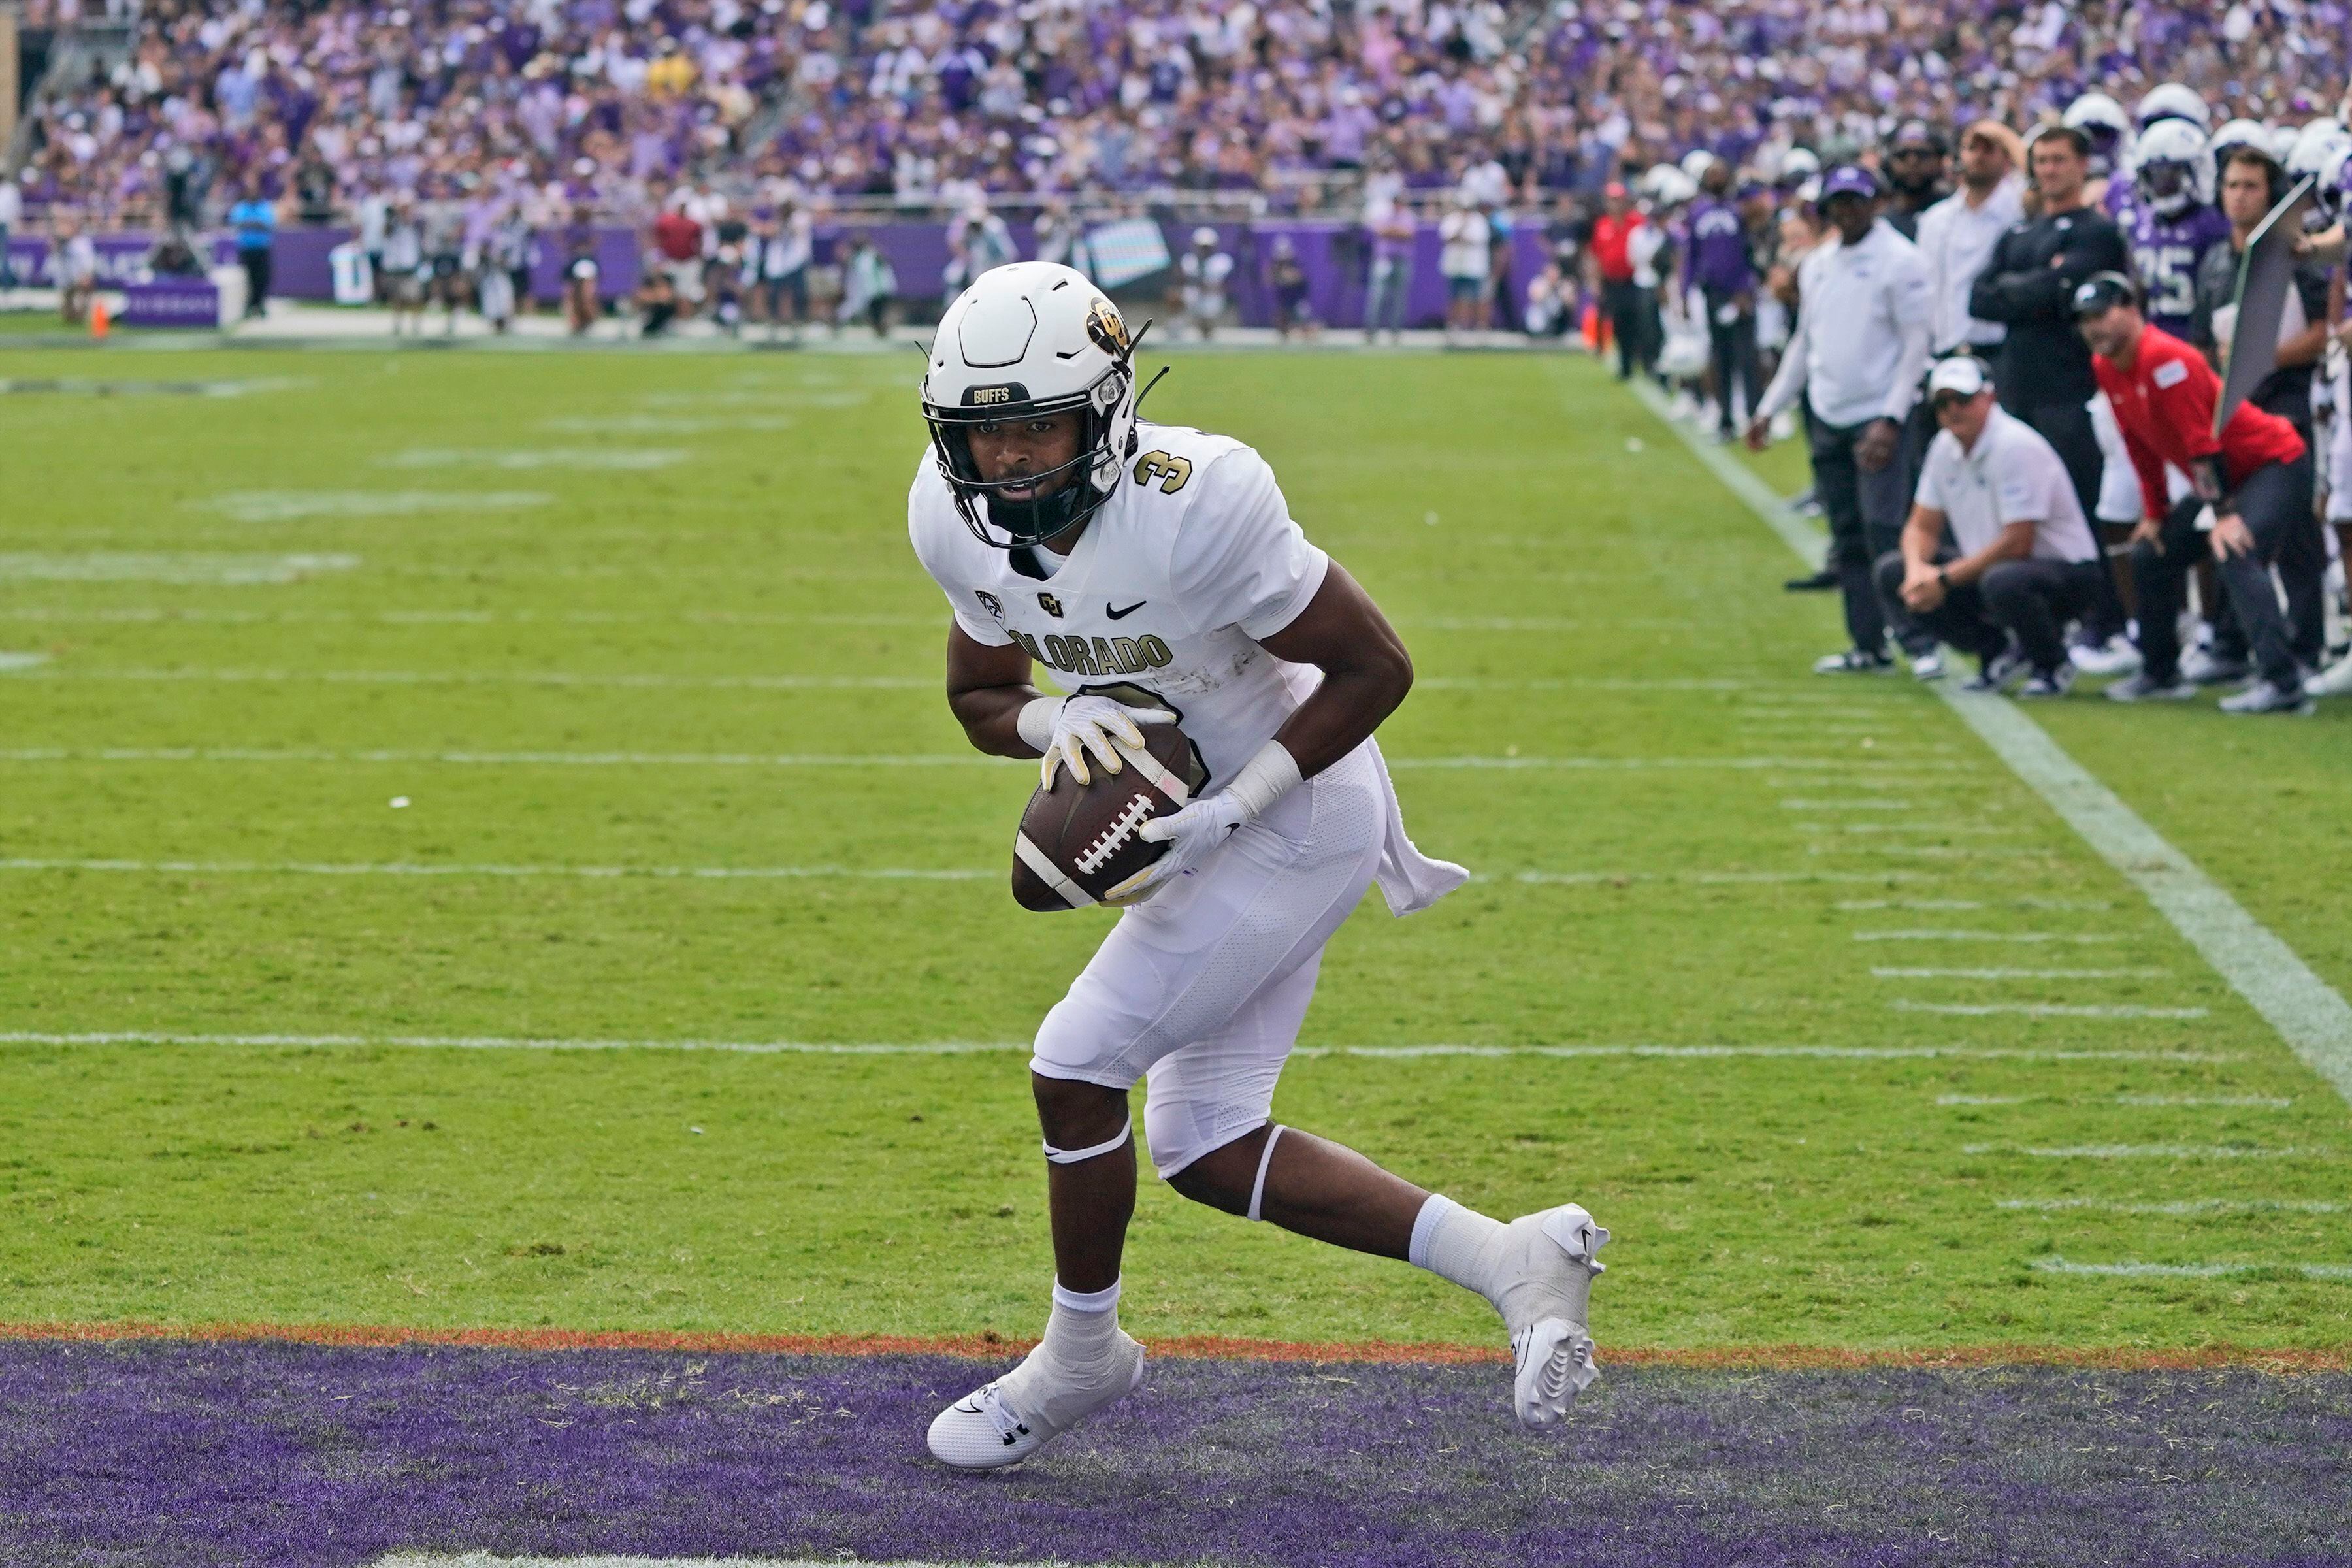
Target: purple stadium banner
(185, 303)
(1335, 255)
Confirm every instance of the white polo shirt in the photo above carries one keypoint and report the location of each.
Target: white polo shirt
(1955, 240)
(2014, 474)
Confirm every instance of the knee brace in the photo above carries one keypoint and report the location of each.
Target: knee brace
(1109, 1146)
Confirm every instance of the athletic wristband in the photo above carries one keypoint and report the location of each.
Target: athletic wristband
(1034, 722)
(1264, 779)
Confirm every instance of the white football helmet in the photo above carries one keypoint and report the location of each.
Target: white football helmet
(2238, 133)
(2173, 101)
(2314, 144)
(2331, 194)
(1798, 165)
(2101, 120)
(1696, 163)
(2171, 169)
(1026, 340)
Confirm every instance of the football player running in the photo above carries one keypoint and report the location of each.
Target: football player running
(1156, 570)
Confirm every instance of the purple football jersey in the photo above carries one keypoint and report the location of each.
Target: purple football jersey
(2165, 252)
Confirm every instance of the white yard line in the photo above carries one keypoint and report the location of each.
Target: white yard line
(2152, 1152)
(2014, 936)
(1884, 972)
(1859, 905)
(402, 869)
(2136, 1102)
(2310, 1014)
(293, 506)
(2191, 1270)
(211, 569)
(2176, 1207)
(962, 1047)
(16, 661)
(2045, 1010)
(809, 759)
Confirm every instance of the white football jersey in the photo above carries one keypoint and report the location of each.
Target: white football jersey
(1173, 587)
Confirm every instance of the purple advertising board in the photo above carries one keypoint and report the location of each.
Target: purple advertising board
(185, 302)
(1335, 255)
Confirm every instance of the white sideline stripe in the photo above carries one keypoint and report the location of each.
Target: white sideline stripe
(2311, 1015)
(22, 660)
(2190, 1270)
(2152, 1152)
(789, 759)
(2176, 1207)
(2045, 1010)
(1983, 936)
(964, 1048)
(1885, 972)
(1860, 802)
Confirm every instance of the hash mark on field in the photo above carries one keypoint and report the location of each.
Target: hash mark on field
(958, 1047)
(9, 661)
(2176, 1207)
(1885, 972)
(2045, 1010)
(2192, 1270)
(2027, 936)
(2152, 1152)
(1859, 803)
(1981, 1099)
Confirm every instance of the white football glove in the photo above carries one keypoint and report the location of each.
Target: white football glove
(1067, 730)
(1198, 831)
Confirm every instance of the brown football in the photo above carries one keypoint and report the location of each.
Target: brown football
(1077, 843)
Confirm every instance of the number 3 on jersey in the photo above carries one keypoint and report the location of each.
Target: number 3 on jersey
(1170, 471)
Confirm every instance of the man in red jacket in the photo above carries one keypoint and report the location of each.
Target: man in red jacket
(2251, 503)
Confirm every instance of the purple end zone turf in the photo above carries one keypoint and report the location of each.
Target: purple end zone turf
(178, 1454)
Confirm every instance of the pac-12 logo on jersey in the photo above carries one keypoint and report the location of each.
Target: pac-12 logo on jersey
(991, 604)
(1050, 605)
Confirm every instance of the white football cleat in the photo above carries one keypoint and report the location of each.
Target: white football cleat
(985, 1431)
(1551, 1271)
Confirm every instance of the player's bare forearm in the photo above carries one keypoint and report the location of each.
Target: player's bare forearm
(987, 689)
(1366, 672)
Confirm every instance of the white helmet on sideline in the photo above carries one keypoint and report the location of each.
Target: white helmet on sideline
(2312, 145)
(2171, 169)
(2101, 121)
(1031, 339)
(2238, 133)
(2172, 100)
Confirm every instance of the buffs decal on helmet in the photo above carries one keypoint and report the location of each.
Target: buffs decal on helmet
(1105, 327)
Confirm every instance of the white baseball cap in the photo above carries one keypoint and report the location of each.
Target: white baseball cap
(1962, 373)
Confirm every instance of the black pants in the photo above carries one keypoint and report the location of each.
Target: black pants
(2033, 599)
(1732, 351)
(2275, 501)
(1622, 304)
(256, 277)
(2066, 426)
(1865, 513)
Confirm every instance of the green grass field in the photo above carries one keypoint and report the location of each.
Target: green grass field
(640, 643)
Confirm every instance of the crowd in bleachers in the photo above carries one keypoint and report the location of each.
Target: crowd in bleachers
(317, 104)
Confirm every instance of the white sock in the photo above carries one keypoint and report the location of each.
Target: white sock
(1457, 1244)
(1076, 1362)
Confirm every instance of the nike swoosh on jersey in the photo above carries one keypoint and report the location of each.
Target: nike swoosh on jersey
(1115, 613)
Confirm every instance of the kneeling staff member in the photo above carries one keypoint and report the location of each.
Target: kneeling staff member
(2253, 494)
(2028, 563)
